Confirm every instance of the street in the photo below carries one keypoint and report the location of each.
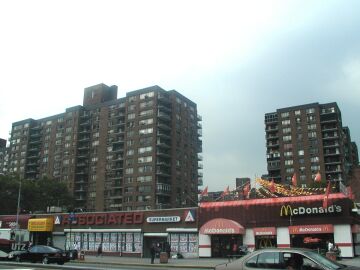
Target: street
(83, 266)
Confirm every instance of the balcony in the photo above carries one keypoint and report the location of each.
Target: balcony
(163, 189)
(163, 172)
(164, 134)
(163, 143)
(163, 116)
(163, 153)
(85, 123)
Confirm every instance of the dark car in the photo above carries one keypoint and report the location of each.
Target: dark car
(284, 258)
(40, 253)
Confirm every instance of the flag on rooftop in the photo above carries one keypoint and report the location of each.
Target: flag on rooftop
(318, 177)
(204, 192)
(326, 196)
(294, 180)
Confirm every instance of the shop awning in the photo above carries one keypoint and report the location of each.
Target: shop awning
(222, 226)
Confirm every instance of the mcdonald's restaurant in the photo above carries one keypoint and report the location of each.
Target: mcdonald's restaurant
(284, 222)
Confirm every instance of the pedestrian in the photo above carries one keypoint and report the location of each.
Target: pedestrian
(168, 249)
(152, 252)
(329, 245)
(99, 250)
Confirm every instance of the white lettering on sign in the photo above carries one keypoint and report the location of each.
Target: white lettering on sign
(263, 233)
(169, 219)
(219, 230)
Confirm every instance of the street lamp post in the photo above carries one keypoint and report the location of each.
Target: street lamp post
(18, 207)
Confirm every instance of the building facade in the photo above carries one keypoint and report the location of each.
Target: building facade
(214, 229)
(3, 156)
(134, 153)
(307, 139)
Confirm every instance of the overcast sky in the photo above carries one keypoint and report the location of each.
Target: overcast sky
(236, 59)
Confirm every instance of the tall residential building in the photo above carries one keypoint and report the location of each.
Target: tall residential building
(133, 153)
(3, 156)
(307, 139)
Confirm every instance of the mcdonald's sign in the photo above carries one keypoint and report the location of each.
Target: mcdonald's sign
(286, 210)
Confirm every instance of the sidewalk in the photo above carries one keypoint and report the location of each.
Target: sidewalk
(205, 263)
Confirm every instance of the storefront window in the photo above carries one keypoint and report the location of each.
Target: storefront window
(112, 241)
(184, 242)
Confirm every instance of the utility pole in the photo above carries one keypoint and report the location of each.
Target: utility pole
(18, 206)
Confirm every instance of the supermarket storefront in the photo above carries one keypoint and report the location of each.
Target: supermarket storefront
(280, 222)
(129, 233)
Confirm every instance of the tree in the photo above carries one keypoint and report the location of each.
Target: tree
(36, 195)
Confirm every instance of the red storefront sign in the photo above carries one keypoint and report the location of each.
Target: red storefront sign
(222, 226)
(311, 229)
(105, 219)
(264, 231)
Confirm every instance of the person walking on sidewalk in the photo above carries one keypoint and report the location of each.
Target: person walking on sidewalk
(99, 250)
(152, 253)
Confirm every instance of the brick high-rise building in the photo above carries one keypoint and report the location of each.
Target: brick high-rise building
(133, 153)
(307, 139)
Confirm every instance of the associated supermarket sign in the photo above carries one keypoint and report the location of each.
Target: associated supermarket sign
(288, 210)
(167, 219)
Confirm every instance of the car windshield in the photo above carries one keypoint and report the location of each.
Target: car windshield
(324, 261)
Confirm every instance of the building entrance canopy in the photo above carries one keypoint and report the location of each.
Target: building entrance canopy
(222, 226)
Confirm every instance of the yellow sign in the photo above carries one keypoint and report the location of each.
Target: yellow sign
(286, 210)
(40, 224)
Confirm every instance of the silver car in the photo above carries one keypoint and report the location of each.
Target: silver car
(285, 258)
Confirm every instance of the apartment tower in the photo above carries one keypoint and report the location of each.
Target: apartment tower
(133, 153)
(307, 139)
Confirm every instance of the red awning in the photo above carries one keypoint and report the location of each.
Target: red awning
(222, 226)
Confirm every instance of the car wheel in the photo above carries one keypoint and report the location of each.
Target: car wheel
(17, 259)
(45, 260)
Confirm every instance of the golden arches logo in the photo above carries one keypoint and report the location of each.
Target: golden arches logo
(286, 210)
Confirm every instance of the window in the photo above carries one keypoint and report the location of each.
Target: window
(289, 170)
(129, 170)
(310, 110)
(297, 112)
(289, 162)
(131, 116)
(287, 138)
(142, 150)
(286, 130)
(270, 260)
(146, 122)
(130, 152)
(285, 122)
(301, 152)
(311, 126)
(146, 178)
(146, 104)
(314, 159)
(147, 95)
(132, 99)
(288, 154)
(284, 114)
(288, 146)
(145, 131)
(312, 134)
(145, 169)
(145, 159)
(146, 113)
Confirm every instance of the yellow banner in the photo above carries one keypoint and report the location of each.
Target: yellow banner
(41, 224)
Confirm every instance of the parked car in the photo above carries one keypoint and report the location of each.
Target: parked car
(40, 253)
(285, 258)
